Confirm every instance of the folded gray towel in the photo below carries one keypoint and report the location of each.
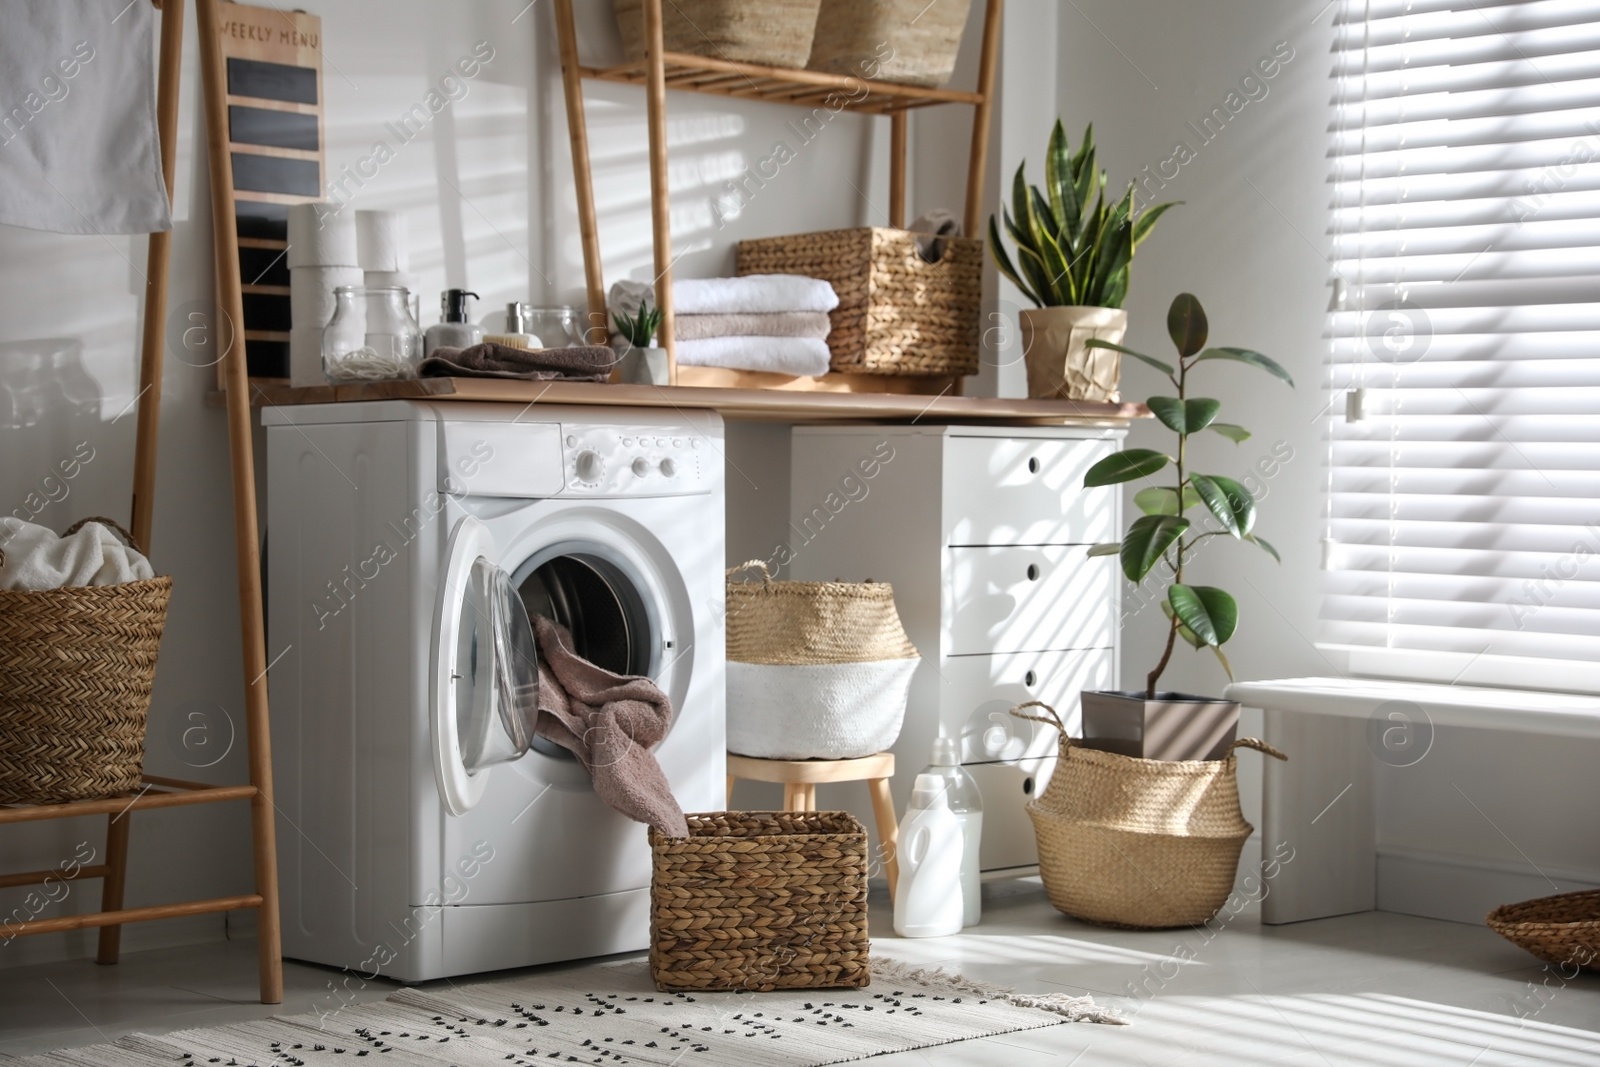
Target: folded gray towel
(581, 363)
(752, 324)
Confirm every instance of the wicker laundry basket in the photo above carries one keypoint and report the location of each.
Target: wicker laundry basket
(760, 901)
(897, 313)
(1563, 929)
(76, 669)
(816, 670)
(1137, 842)
(770, 33)
(908, 41)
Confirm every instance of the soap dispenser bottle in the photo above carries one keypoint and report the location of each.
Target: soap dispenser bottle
(966, 803)
(454, 331)
(927, 899)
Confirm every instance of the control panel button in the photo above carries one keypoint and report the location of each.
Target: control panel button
(669, 466)
(589, 466)
(572, 441)
(641, 466)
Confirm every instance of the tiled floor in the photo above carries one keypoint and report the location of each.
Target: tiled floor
(1376, 989)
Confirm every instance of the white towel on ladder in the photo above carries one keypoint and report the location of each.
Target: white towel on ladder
(78, 142)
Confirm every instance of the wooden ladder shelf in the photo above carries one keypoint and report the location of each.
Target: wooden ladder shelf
(661, 70)
(157, 792)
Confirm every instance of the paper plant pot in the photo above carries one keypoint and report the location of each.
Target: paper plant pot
(1058, 363)
(1174, 726)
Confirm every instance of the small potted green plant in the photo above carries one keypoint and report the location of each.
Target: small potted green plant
(639, 361)
(1074, 252)
(1151, 724)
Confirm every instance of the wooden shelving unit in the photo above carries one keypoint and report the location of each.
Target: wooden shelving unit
(661, 70)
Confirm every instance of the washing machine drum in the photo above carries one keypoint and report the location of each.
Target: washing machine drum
(597, 603)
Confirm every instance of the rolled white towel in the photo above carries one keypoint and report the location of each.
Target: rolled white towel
(756, 294)
(804, 357)
(36, 558)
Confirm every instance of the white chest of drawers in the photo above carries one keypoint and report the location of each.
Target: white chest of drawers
(982, 531)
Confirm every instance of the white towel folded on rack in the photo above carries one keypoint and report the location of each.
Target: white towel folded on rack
(804, 357)
(78, 141)
(753, 294)
(36, 558)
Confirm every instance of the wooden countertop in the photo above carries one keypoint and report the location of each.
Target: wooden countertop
(777, 405)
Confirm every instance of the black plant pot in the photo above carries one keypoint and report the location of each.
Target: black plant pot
(1174, 726)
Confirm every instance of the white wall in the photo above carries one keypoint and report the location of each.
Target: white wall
(1250, 241)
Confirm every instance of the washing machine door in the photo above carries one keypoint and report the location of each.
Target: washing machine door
(485, 670)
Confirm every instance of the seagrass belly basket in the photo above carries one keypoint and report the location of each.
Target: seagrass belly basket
(1138, 843)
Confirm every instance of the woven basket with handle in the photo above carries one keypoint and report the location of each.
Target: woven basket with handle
(1563, 929)
(1138, 842)
(897, 313)
(76, 669)
(760, 901)
(769, 33)
(908, 41)
(816, 670)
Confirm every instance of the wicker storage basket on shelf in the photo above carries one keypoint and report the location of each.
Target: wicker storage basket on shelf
(1138, 842)
(760, 901)
(769, 33)
(1563, 929)
(76, 669)
(816, 670)
(897, 313)
(908, 41)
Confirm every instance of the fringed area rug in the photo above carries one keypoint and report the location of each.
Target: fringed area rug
(610, 1016)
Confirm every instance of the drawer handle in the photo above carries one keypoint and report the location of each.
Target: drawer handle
(1033, 464)
(1033, 572)
(1027, 786)
(1029, 679)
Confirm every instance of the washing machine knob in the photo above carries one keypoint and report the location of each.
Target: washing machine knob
(641, 466)
(669, 467)
(589, 466)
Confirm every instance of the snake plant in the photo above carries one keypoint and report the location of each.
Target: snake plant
(1203, 615)
(1073, 247)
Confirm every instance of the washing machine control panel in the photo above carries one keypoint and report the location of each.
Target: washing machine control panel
(635, 460)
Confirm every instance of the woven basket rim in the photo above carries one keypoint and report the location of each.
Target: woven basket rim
(138, 585)
(1100, 755)
(787, 587)
(1524, 915)
(701, 820)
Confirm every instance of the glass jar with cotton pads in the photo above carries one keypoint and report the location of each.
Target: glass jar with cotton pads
(371, 337)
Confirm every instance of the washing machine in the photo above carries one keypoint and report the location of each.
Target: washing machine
(422, 831)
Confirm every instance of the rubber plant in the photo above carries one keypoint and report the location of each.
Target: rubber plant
(1164, 535)
(1074, 248)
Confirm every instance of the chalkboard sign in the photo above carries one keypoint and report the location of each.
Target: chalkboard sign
(275, 138)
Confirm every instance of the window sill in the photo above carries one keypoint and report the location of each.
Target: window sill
(1527, 711)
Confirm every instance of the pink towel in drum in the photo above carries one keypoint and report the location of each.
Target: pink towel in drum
(610, 722)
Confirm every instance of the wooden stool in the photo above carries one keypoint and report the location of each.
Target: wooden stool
(800, 778)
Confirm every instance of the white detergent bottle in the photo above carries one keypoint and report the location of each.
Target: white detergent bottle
(966, 802)
(927, 900)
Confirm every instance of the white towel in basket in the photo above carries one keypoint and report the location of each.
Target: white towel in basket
(36, 558)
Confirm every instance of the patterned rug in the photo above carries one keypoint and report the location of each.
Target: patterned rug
(609, 1016)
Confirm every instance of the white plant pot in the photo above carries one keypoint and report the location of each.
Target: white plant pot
(1059, 364)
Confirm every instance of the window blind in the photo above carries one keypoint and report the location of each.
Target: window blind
(1464, 478)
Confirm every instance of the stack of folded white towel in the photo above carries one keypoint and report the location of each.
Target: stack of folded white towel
(761, 322)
